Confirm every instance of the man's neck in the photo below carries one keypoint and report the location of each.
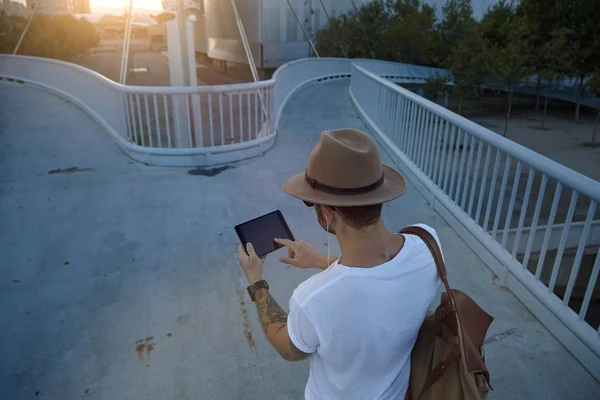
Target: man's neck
(369, 247)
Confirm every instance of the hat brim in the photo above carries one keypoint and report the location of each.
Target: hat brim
(394, 185)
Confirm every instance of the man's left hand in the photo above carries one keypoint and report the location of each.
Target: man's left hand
(251, 264)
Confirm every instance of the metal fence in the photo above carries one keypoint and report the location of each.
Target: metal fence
(178, 126)
(539, 218)
(199, 117)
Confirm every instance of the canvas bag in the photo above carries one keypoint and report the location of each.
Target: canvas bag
(447, 361)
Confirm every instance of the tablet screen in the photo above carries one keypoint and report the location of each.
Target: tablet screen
(262, 230)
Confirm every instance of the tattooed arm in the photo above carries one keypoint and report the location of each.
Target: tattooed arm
(272, 317)
(274, 323)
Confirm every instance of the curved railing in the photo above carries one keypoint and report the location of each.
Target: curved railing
(531, 219)
(178, 126)
(521, 212)
(398, 72)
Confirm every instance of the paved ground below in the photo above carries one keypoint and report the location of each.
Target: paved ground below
(120, 281)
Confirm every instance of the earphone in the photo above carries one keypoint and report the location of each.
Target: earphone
(328, 251)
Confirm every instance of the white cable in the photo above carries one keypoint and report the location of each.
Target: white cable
(328, 251)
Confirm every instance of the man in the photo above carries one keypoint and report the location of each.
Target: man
(359, 318)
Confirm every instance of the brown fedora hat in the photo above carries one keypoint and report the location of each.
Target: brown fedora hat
(344, 169)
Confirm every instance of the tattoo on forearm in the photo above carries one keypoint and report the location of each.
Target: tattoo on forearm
(271, 314)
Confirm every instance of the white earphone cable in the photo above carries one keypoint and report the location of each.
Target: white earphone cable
(328, 251)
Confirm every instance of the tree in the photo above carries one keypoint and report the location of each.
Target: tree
(10, 29)
(593, 85)
(410, 34)
(60, 37)
(361, 33)
(510, 48)
(543, 25)
(435, 85)
(457, 22)
(557, 61)
(580, 19)
(469, 64)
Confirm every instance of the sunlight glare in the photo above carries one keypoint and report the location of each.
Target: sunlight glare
(120, 4)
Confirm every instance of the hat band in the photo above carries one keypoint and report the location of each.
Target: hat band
(321, 187)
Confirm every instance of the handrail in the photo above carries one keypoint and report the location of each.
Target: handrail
(567, 176)
(483, 185)
(179, 126)
(235, 87)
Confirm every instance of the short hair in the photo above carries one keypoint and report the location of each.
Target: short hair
(360, 217)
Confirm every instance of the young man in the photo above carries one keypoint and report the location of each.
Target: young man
(359, 318)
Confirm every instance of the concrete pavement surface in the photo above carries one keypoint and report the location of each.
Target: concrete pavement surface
(120, 281)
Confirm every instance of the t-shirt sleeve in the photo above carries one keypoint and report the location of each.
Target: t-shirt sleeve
(434, 234)
(301, 330)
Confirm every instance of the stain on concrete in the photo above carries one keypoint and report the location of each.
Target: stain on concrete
(184, 319)
(501, 335)
(86, 391)
(67, 170)
(246, 322)
(144, 345)
(203, 171)
(139, 349)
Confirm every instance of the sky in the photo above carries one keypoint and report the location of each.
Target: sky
(146, 4)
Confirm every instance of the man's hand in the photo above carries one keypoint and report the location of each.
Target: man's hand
(302, 255)
(251, 264)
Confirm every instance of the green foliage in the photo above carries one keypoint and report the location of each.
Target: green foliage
(457, 23)
(410, 36)
(470, 63)
(435, 85)
(395, 30)
(579, 19)
(61, 37)
(515, 38)
(10, 29)
(360, 32)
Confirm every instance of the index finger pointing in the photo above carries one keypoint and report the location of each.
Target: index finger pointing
(286, 242)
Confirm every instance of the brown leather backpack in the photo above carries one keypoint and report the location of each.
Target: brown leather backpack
(447, 361)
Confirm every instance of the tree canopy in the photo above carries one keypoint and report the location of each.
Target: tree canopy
(61, 37)
(549, 39)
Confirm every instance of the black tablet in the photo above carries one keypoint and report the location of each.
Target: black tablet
(262, 230)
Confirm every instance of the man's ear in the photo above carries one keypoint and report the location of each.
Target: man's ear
(329, 214)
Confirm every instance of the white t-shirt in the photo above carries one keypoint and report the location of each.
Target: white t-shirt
(361, 324)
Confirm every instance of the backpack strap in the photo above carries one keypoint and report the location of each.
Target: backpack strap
(436, 252)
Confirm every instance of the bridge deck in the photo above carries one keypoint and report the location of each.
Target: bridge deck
(120, 281)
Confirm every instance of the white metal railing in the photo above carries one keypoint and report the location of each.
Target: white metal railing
(537, 218)
(499, 190)
(398, 71)
(161, 125)
(180, 126)
(198, 117)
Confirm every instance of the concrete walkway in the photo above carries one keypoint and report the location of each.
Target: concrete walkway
(120, 281)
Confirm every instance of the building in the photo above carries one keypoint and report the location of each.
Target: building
(81, 7)
(14, 7)
(274, 34)
(146, 34)
(52, 7)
